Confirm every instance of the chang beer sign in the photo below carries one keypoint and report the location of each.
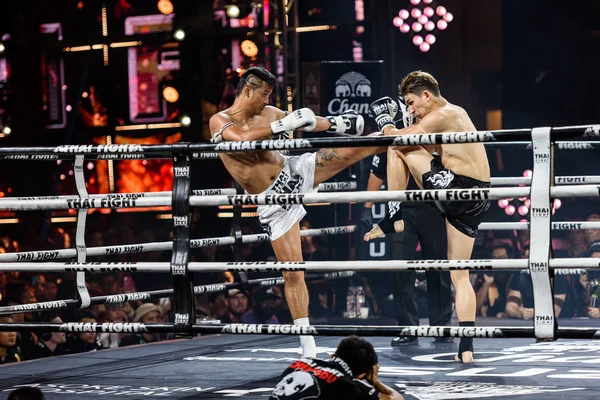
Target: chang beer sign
(332, 88)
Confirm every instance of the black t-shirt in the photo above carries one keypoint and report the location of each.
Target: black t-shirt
(521, 282)
(321, 379)
(41, 351)
(12, 355)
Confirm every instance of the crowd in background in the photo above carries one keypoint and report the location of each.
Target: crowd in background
(499, 294)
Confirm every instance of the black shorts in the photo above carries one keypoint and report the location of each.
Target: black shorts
(463, 215)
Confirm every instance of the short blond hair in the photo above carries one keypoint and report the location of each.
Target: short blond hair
(418, 81)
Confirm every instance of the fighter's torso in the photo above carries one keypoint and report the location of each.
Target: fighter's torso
(468, 159)
(255, 171)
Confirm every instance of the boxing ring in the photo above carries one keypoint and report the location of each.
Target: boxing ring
(513, 367)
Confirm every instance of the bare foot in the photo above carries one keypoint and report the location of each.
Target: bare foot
(377, 232)
(467, 358)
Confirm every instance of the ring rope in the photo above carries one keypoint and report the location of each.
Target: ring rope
(45, 255)
(144, 296)
(206, 327)
(559, 180)
(523, 226)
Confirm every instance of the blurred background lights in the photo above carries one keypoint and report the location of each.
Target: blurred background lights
(423, 15)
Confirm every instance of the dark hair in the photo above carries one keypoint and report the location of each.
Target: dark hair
(255, 77)
(81, 314)
(508, 248)
(26, 393)
(357, 353)
(47, 316)
(418, 81)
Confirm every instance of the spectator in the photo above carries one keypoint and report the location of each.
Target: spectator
(147, 313)
(49, 344)
(238, 305)
(26, 341)
(9, 351)
(592, 235)
(491, 288)
(111, 284)
(85, 341)
(3, 285)
(263, 312)
(50, 290)
(593, 287)
(570, 297)
(519, 302)
(38, 283)
(26, 393)
(218, 303)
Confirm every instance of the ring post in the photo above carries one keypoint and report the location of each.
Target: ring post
(82, 292)
(539, 256)
(185, 315)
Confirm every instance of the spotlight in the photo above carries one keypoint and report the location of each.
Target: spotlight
(448, 17)
(415, 13)
(170, 94)
(165, 6)
(422, 19)
(424, 47)
(441, 24)
(557, 203)
(441, 10)
(398, 22)
(415, 2)
(430, 39)
(233, 11)
(428, 11)
(417, 27)
(527, 173)
(249, 48)
(417, 40)
(430, 25)
(186, 121)
(2, 48)
(6, 130)
(510, 210)
(179, 34)
(403, 14)
(523, 210)
(404, 28)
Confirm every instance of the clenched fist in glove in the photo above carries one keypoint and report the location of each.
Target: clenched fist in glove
(303, 118)
(384, 110)
(349, 123)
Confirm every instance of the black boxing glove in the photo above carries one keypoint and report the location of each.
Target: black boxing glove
(384, 110)
(367, 217)
(349, 122)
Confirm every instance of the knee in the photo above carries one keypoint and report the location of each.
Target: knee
(293, 278)
(460, 277)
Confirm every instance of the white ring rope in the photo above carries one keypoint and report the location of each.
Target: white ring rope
(45, 255)
(523, 226)
(68, 202)
(324, 266)
(559, 180)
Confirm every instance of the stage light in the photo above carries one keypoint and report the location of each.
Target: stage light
(415, 2)
(186, 121)
(90, 165)
(170, 94)
(179, 34)
(6, 130)
(415, 13)
(527, 173)
(2, 48)
(417, 27)
(523, 210)
(430, 39)
(423, 19)
(527, 202)
(424, 47)
(428, 11)
(502, 203)
(448, 17)
(233, 11)
(427, 1)
(510, 210)
(441, 24)
(398, 22)
(404, 28)
(557, 203)
(441, 10)
(403, 14)
(430, 25)
(417, 40)
(165, 6)
(249, 48)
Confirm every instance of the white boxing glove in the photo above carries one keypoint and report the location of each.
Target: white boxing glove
(303, 118)
(349, 123)
(408, 118)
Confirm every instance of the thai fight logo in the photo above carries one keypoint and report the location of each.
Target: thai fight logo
(352, 92)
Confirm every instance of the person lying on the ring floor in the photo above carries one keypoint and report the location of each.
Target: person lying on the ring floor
(351, 373)
(441, 166)
(271, 173)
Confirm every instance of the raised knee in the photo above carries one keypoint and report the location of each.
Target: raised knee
(293, 278)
